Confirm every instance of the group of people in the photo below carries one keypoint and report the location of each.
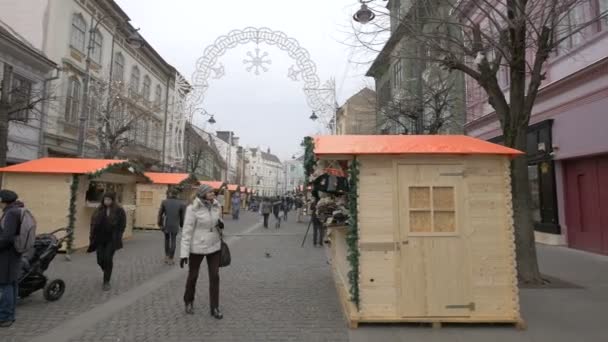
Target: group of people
(201, 227)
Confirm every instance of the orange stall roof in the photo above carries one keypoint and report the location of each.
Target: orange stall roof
(62, 165)
(233, 187)
(167, 178)
(216, 185)
(407, 144)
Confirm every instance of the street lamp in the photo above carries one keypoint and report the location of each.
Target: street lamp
(314, 116)
(364, 15)
(134, 40)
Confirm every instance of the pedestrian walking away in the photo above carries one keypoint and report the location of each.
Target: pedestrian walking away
(236, 205)
(107, 228)
(201, 238)
(299, 204)
(10, 258)
(286, 208)
(277, 207)
(317, 225)
(266, 209)
(171, 220)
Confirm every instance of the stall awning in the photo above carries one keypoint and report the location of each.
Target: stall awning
(167, 178)
(216, 185)
(233, 187)
(407, 144)
(62, 165)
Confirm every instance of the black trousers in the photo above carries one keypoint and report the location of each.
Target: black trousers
(266, 220)
(213, 268)
(318, 231)
(170, 244)
(105, 259)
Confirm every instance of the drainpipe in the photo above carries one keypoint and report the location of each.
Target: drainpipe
(43, 115)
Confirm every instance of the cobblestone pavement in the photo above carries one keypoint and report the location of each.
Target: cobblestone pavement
(288, 296)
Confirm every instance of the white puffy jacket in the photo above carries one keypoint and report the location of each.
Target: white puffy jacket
(200, 235)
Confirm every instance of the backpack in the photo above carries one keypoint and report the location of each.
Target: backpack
(24, 241)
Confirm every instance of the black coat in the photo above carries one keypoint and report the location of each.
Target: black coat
(109, 228)
(10, 260)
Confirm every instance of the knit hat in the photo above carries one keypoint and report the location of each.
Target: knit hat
(8, 196)
(203, 190)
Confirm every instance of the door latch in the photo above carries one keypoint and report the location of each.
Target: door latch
(470, 306)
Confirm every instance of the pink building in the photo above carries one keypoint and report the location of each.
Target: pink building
(567, 139)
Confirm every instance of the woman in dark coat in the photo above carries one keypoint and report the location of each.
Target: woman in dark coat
(107, 227)
(9, 257)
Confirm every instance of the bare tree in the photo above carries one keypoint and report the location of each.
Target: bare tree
(429, 110)
(115, 111)
(486, 40)
(19, 101)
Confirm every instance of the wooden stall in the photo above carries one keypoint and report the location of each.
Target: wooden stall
(49, 186)
(151, 195)
(433, 229)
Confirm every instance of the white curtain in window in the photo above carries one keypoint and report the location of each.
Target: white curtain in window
(79, 28)
(118, 72)
(134, 84)
(72, 104)
(146, 89)
(97, 40)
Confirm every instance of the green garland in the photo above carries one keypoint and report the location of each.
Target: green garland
(72, 212)
(352, 236)
(186, 183)
(310, 161)
(120, 166)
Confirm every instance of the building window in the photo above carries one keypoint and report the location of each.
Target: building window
(146, 88)
(134, 83)
(21, 94)
(570, 27)
(603, 10)
(119, 68)
(79, 28)
(97, 40)
(398, 75)
(158, 96)
(72, 103)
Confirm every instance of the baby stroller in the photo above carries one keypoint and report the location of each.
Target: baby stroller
(36, 261)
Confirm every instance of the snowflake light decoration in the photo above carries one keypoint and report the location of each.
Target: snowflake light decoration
(257, 61)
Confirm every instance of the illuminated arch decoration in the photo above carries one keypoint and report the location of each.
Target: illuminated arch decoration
(321, 98)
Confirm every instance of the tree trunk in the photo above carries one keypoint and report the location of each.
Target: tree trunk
(4, 113)
(527, 262)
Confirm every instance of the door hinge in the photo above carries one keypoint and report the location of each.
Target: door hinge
(470, 306)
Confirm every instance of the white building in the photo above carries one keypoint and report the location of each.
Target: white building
(294, 174)
(264, 173)
(69, 30)
(29, 75)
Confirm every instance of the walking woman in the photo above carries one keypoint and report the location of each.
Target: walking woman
(201, 239)
(266, 209)
(107, 227)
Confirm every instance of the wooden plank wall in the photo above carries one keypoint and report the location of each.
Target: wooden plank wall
(46, 196)
(488, 217)
(146, 215)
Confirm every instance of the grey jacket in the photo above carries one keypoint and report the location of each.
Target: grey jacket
(171, 215)
(10, 260)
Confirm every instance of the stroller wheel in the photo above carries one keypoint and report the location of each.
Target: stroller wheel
(54, 290)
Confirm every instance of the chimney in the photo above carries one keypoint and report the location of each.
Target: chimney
(268, 150)
(235, 141)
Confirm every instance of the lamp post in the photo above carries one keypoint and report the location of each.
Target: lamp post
(135, 40)
(314, 116)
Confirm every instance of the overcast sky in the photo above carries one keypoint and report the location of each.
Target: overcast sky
(268, 110)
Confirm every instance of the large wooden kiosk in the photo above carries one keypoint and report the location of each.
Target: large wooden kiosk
(50, 187)
(151, 195)
(433, 230)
